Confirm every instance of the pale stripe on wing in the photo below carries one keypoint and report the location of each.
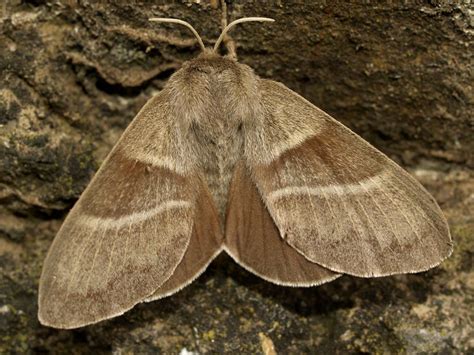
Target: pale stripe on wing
(334, 189)
(137, 217)
(162, 161)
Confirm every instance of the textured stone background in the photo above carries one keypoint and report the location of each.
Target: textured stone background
(74, 73)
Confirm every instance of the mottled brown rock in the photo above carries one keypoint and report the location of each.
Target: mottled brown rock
(72, 76)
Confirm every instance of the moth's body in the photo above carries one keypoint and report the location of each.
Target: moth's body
(222, 156)
(219, 160)
(215, 132)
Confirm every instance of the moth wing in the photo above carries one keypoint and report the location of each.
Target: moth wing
(205, 244)
(129, 230)
(253, 240)
(335, 198)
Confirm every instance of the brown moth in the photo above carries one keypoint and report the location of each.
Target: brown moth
(222, 159)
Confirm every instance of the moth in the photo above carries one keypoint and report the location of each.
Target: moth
(223, 160)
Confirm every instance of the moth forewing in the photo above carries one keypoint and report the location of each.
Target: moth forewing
(130, 229)
(335, 198)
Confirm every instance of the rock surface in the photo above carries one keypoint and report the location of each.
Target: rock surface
(73, 75)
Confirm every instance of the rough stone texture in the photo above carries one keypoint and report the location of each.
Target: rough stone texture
(73, 75)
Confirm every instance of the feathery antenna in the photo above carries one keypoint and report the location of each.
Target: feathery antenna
(240, 20)
(181, 22)
(224, 31)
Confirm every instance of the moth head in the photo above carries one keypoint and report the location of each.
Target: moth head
(212, 86)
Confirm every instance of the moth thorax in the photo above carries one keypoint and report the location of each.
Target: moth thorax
(214, 90)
